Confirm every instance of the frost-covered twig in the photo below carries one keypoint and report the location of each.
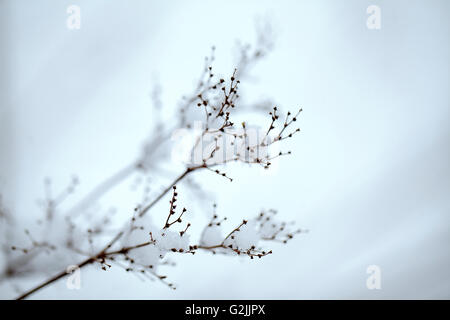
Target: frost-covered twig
(140, 247)
(143, 258)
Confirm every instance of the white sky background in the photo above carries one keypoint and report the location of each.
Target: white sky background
(369, 176)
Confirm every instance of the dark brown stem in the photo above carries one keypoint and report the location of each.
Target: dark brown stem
(90, 198)
(104, 252)
(53, 279)
(169, 187)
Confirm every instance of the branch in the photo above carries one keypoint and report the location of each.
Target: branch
(104, 252)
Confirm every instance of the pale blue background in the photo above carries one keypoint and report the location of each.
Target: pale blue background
(370, 173)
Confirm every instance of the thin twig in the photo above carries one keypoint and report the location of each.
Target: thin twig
(104, 252)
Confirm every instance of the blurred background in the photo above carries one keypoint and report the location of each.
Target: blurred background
(369, 176)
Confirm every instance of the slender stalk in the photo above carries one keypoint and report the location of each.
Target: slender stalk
(164, 192)
(88, 199)
(104, 252)
(53, 279)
